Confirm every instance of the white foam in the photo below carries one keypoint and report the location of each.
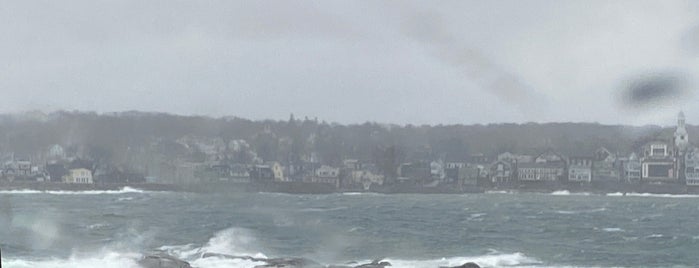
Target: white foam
(491, 260)
(239, 242)
(103, 260)
(125, 190)
(612, 229)
(581, 211)
(566, 193)
(25, 191)
(655, 236)
(499, 192)
(654, 195)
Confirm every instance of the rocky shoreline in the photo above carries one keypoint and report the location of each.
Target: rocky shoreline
(164, 260)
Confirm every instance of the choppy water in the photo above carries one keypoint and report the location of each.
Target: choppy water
(112, 228)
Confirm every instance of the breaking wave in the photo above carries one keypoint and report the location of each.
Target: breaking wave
(654, 195)
(581, 211)
(499, 192)
(103, 260)
(125, 190)
(240, 242)
(566, 192)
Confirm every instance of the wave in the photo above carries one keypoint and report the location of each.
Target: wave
(499, 192)
(322, 209)
(102, 260)
(491, 260)
(361, 193)
(240, 242)
(581, 211)
(566, 193)
(653, 195)
(610, 229)
(125, 190)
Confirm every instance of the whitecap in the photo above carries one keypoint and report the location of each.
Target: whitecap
(499, 192)
(617, 194)
(23, 191)
(655, 236)
(612, 229)
(490, 260)
(581, 211)
(567, 193)
(102, 260)
(125, 190)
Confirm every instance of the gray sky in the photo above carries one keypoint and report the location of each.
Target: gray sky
(352, 61)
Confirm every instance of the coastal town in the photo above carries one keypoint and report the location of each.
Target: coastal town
(665, 163)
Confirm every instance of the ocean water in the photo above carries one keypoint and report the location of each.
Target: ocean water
(498, 229)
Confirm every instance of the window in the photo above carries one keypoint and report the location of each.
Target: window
(658, 150)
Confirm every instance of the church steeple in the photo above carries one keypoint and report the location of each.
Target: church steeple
(681, 139)
(680, 120)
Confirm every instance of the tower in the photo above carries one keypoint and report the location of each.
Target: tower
(681, 138)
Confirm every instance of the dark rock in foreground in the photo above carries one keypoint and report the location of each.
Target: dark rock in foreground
(465, 265)
(378, 263)
(296, 262)
(162, 260)
(307, 263)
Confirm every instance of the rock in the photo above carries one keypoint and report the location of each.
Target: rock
(378, 263)
(271, 263)
(465, 265)
(290, 263)
(226, 256)
(162, 260)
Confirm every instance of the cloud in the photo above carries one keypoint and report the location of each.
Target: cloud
(414, 62)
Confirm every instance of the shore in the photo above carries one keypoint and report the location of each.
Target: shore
(322, 188)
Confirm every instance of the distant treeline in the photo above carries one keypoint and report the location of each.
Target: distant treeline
(111, 137)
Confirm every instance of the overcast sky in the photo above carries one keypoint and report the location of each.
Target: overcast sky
(353, 61)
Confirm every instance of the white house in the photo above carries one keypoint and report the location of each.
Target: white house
(327, 172)
(78, 175)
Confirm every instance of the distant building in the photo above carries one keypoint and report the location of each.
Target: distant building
(658, 164)
(502, 171)
(20, 168)
(78, 176)
(547, 167)
(352, 164)
(539, 172)
(239, 173)
(278, 171)
(665, 161)
(419, 171)
(469, 175)
(451, 171)
(176, 172)
(366, 178)
(604, 167)
(515, 158)
(691, 161)
(681, 137)
(580, 169)
(480, 159)
(56, 172)
(261, 173)
(632, 168)
(326, 174)
(437, 170)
